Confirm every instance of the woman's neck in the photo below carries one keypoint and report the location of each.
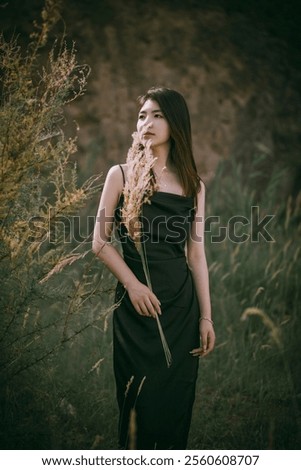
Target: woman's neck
(161, 154)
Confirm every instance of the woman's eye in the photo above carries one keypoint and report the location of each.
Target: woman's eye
(158, 116)
(141, 116)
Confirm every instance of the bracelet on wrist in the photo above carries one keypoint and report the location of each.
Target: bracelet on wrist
(208, 319)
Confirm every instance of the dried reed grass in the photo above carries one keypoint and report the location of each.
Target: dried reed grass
(138, 190)
(274, 331)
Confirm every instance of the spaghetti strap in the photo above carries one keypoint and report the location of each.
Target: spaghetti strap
(123, 177)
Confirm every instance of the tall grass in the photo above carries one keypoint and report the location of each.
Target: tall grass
(249, 388)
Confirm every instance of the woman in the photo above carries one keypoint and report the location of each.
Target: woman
(155, 400)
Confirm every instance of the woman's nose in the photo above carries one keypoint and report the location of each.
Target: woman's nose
(148, 123)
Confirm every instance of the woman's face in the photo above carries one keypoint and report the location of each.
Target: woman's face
(152, 125)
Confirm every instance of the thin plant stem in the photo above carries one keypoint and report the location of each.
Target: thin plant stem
(141, 249)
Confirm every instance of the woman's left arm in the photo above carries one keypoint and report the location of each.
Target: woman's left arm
(198, 264)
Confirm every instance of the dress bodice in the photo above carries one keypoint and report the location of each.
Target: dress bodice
(166, 225)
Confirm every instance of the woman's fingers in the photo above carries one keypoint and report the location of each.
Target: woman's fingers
(155, 303)
(148, 308)
(145, 302)
(200, 352)
(142, 309)
(197, 352)
(208, 341)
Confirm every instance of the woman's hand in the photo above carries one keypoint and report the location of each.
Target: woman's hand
(207, 336)
(143, 299)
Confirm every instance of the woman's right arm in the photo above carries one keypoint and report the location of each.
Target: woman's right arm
(143, 299)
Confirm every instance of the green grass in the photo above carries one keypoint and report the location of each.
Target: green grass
(249, 389)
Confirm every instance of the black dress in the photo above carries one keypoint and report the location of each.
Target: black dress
(161, 397)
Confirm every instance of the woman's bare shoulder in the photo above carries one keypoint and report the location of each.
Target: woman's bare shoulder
(114, 180)
(202, 187)
(115, 173)
(201, 196)
(116, 170)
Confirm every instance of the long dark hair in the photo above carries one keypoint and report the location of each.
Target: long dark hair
(175, 110)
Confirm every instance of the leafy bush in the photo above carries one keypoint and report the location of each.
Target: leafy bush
(43, 317)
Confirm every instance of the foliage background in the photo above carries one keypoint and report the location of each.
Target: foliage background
(238, 64)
